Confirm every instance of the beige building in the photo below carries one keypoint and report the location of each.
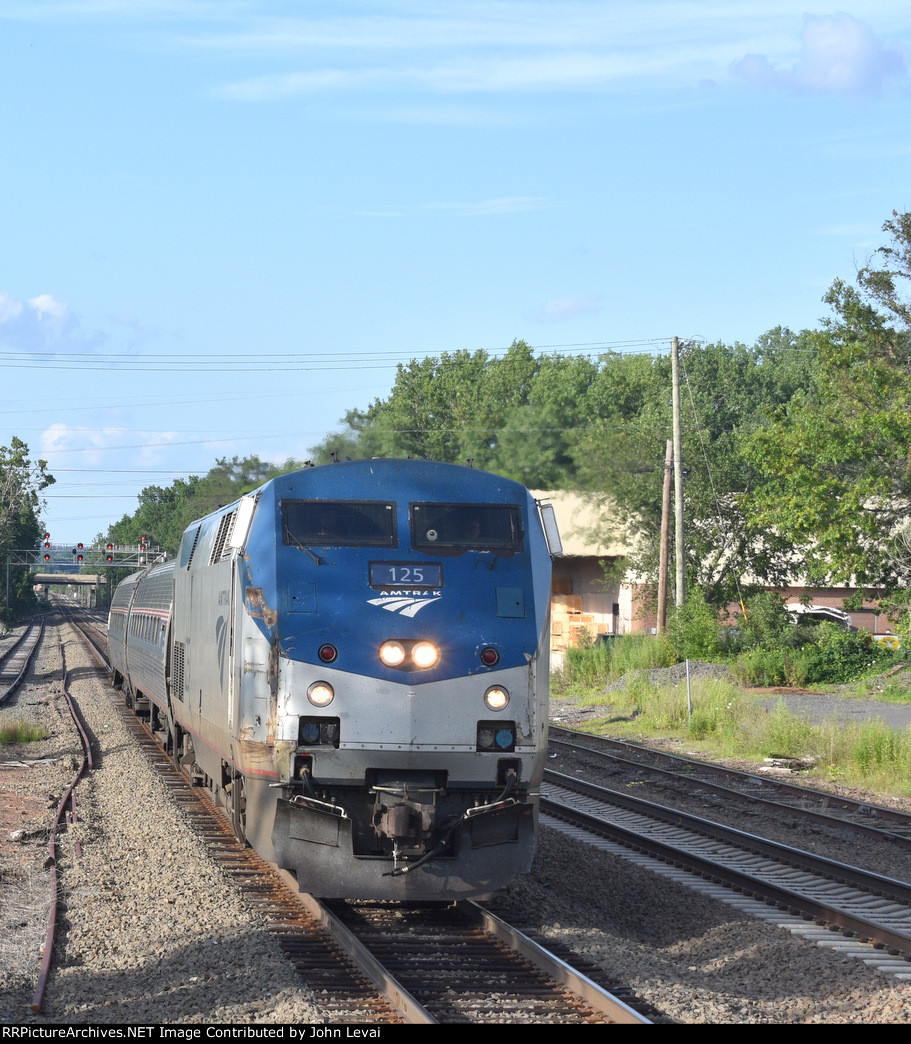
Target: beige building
(587, 596)
(583, 595)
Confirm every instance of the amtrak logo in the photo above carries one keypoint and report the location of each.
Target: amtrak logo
(404, 605)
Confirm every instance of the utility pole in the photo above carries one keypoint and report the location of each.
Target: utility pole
(678, 474)
(665, 529)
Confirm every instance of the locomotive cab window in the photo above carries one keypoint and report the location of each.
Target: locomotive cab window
(456, 528)
(338, 523)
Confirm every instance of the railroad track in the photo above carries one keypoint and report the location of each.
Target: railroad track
(863, 817)
(865, 906)
(464, 965)
(385, 963)
(15, 662)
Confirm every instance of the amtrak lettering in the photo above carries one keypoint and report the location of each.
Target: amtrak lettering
(404, 604)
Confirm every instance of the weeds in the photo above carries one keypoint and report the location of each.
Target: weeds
(22, 732)
(591, 664)
(728, 722)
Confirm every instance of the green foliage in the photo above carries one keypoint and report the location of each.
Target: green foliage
(592, 665)
(767, 623)
(732, 723)
(694, 629)
(165, 512)
(785, 735)
(840, 655)
(601, 426)
(835, 465)
(22, 732)
(876, 748)
(766, 665)
(516, 415)
(21, 483)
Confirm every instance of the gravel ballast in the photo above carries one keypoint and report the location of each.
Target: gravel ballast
(154, 932)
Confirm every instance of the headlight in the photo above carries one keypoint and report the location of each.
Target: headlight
(496, 698)
(392, 653)
(320, 694)
(424, 655)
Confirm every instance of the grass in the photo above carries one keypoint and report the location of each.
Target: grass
(726, 721)
(592, 664)
(22, 732)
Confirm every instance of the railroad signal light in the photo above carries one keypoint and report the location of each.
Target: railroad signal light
(79, 558)
(47, 558)
(80, 546)
(110, 557)
(47, 545)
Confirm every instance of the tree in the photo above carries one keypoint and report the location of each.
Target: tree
(165, 512)
(729, 391)
(836, 464)
(601, 426)
(21, 483)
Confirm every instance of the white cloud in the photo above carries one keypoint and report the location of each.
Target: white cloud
(41, 324)
(567, 308)
(838, 55)
(92, 447)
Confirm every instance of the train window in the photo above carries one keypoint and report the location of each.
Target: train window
(338, 523)
(456, 528)
(188, 546)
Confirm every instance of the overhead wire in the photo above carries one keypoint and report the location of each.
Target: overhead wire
(266, 362)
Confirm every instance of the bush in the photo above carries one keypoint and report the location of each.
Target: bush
(694, 629)
(767, 623)
(22, 732)
(592, 664)
(838, 655)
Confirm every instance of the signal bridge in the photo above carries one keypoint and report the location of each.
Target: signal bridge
(60, 564)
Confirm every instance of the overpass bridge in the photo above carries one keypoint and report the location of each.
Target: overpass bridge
(85, 579)
(55, 565)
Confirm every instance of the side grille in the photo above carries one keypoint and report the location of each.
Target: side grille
(177, 664)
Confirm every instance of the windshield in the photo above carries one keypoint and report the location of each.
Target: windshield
(338, 523)
(438, 528)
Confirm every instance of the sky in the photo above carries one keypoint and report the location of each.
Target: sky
(225, 222)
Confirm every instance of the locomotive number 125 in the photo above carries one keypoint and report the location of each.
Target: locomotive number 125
(406, 574)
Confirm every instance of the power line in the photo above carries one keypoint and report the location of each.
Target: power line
(264, 362)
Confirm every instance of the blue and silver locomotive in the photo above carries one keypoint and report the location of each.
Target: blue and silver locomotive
(354, 659)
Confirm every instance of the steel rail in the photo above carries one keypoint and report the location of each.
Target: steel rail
(18, 660)
(242, 864)
(825, 818)
(68, 799)
(599, 745)
(595, 996)
(470, 966)
(888, 887)
(674, 853)
(400, 998)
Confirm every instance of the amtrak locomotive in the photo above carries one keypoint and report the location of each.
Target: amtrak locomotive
(354, 659)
